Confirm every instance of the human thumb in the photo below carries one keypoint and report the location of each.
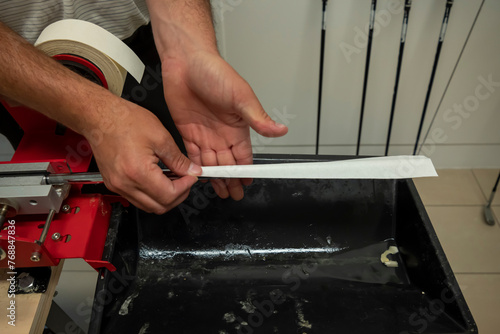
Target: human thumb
(253, 113)
(171, 156)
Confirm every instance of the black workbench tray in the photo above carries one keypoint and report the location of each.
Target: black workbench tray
(294, 256)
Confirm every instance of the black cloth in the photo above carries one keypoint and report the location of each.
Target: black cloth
(149, 93)
(9, 127)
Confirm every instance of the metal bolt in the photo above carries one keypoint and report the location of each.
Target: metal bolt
(56, 236)
(3, 213)
(26, 282)
(35, 257)
(3, 255)
(59, 192)
(7, 210)
(66, 208)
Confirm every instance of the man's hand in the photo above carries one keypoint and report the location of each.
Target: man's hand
(211, 105)
(127, 153)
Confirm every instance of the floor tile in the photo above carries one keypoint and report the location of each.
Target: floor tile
(470, 244)
(452, 187)
(482, 293)
(486, 179)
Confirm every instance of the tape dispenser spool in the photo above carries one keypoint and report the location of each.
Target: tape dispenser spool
(86, 44)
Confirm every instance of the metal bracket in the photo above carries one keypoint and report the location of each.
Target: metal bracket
(23, 189)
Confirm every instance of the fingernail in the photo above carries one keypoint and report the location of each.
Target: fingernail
(194, 169)
(280, 126)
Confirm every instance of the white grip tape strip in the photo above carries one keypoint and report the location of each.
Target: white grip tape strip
(113, 57)
(393, 167)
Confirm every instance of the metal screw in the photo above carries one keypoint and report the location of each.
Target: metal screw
(56, 236)
(7, 210)
(66, 208)
(26, 282)
(35, 257)
(3, 255)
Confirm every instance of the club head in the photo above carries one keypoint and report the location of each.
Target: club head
(488, 215)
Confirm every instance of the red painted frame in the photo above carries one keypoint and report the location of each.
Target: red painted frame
(84, 229)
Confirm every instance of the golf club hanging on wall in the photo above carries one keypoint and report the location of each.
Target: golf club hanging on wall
(321, 62)
(444, 25)
(367, 69)
(398, 71)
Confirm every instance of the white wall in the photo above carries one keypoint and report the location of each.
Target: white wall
(472, 137)
(275, 46)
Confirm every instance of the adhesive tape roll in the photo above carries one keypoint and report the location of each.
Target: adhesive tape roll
(87, 40)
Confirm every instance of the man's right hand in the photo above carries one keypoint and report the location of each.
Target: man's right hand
(127, 140)
(128, 145)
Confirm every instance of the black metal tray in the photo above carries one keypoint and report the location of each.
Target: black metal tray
(294, 256)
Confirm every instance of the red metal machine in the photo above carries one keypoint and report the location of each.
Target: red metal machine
(43, 223)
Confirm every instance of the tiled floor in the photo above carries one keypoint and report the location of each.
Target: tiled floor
(455, 203)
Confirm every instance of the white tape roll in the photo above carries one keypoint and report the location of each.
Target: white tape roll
(87, 40)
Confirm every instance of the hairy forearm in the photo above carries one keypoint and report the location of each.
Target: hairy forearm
(182, 26)
(31, 78)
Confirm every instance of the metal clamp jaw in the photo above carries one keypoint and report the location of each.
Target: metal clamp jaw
(74, 226)
(23, 190)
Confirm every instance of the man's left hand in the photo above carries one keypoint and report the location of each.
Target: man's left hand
(213, 107)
